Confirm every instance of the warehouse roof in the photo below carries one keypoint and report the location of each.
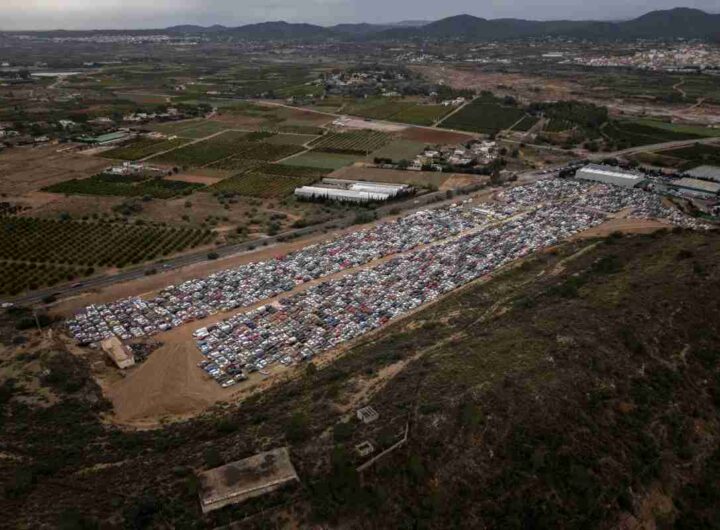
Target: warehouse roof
(705, 172)
(613, 172)
(699, 185)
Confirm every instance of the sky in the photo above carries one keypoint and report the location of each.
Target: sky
(132, 14)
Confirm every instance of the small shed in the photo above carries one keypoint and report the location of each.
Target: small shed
(367, 414)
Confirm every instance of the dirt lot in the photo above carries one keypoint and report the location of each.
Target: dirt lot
(627, 226)
(434, 136)
(195, 178)
(26, 169)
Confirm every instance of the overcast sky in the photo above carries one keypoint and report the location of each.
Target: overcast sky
(102, 14)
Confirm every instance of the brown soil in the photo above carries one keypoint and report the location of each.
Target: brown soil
(195, 179)
(26, 169)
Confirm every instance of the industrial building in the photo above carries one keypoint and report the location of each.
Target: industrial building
(242, 480)
(610, 175)
(105, 139)
(701, 189)
(705, 173)
(352, 191)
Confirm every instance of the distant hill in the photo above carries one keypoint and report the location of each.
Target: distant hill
(668, 24)
(280, 30)
(673, 23)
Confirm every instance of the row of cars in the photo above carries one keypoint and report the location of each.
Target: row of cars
(318, 320)
(249, 284)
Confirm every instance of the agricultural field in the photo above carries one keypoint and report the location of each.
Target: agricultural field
(356, 142)
(143, 148)
(683, 158)
(625, 134)
(124, 186)
(67, 244)
(421, 114)
(377, 108)
(322, 160)
(194, 129)
(291, 139)
(558, 125)
(264, 186)
(397, 110)
(293, 171)
(527, 123)
(16, 277)
(399, 150)
(205, 152)
(253, 154)
(421, 179)
(484, 116)
(680, 128)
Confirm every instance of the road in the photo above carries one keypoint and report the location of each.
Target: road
(434, 200)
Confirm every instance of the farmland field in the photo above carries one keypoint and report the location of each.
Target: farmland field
(400, 150)
(291, 139)
(356, 142)
(293, 171)
(377, 109)
(696, 155)
(631, 134)
(322, 160)
(421, 114)
(484, 116)
(252, 154)
(262, 185)
(88, 244)
(556, 125)
(526, 124)
(194, 129)
(679, 127)
(143, 149)
(124, 186)
(205, 152)
(16, 277)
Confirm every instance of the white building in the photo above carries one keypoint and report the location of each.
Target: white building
(610, 175)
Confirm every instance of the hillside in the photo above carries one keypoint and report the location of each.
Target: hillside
(580, 389)
(674, 23)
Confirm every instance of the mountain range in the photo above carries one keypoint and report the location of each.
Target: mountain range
(678, 23)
